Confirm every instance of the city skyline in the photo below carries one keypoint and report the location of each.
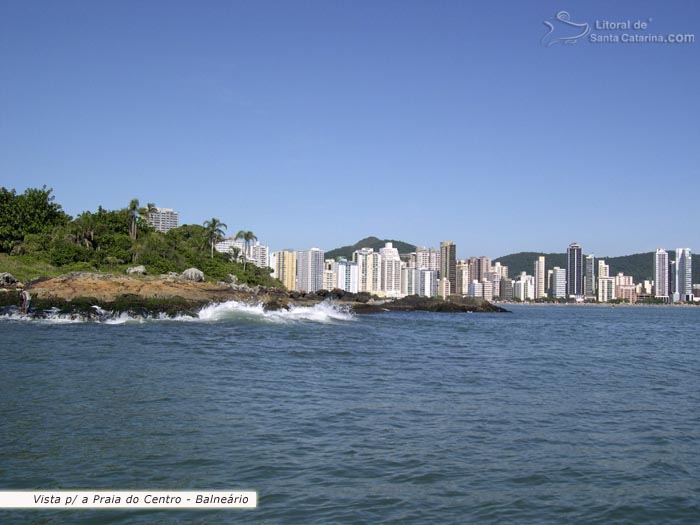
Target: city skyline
(284, 119)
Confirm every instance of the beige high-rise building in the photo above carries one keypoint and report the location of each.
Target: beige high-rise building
(427, 258)
(540, 278)
(286, 268)
(369, 265)
(463, 278)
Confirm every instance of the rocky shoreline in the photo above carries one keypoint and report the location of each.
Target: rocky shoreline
(88, 293)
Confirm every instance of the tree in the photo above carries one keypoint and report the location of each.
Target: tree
(132, 214)
(248, 237)
(214, 230)
(235, 253)
(32, 212)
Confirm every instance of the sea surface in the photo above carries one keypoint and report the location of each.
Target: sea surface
(548, 414)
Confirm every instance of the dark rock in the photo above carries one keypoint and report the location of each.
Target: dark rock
(7, 279)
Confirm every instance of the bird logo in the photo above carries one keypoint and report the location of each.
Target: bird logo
(563, 31)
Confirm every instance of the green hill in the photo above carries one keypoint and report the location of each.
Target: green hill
(638, 265)
(369, 242)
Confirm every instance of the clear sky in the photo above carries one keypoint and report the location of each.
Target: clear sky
(319, 123)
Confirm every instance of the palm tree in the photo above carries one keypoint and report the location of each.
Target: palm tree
(235, 253)
(132, 213)
(214, 232)
(248, 237)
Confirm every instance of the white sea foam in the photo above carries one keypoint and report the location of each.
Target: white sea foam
(324, 312)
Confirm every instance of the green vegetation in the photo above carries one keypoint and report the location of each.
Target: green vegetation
(248, 238)
(639, 265)
(369, 242)
(37, 239)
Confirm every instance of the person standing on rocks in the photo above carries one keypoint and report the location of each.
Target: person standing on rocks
(26, 298)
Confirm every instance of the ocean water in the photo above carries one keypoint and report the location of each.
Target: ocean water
(549, 414)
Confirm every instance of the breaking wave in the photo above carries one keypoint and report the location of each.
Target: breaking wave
(325, 312)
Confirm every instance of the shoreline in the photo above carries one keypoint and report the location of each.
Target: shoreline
(88, 293)
(602, 305)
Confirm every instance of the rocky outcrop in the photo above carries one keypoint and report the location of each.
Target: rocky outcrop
(193, 274)
(451, 304)
(136, 270)
(156, 294)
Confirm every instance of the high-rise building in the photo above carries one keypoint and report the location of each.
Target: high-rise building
(391, 270)
(558, 290)
(684, 274)
(495, 280)
(347, 275)
(444, 290)
(230, 246)
(162, 219)
(463, 278)
(310, 270)
(589, 279)
(409, 280)
(487, 287)
(330, 274)
(606, 289)
(427, 283)
(476, 289)
(574, 270)
(484, 267)
(524, 287)
(448, 263)
(427, 258)
(260, 255)
(500, 269)
(369, 270)
(661, 274)
(285, 268)
(540, 278)
(506, 289)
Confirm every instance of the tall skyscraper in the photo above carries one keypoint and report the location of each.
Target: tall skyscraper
(540, 278)
(286, 268)
(661, 274)
(391, 270)
(684, 273)
(589, 279)
(369, 270)
(310, 270)
(463, 278)
(574, 270)
(448, 263)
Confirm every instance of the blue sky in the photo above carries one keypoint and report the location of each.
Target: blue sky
(319, 123)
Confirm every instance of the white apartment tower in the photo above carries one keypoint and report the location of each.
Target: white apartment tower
(684, 274)
(310, 270)
(390, 270)
(162, 219)
(558, 289)
(661, 274)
